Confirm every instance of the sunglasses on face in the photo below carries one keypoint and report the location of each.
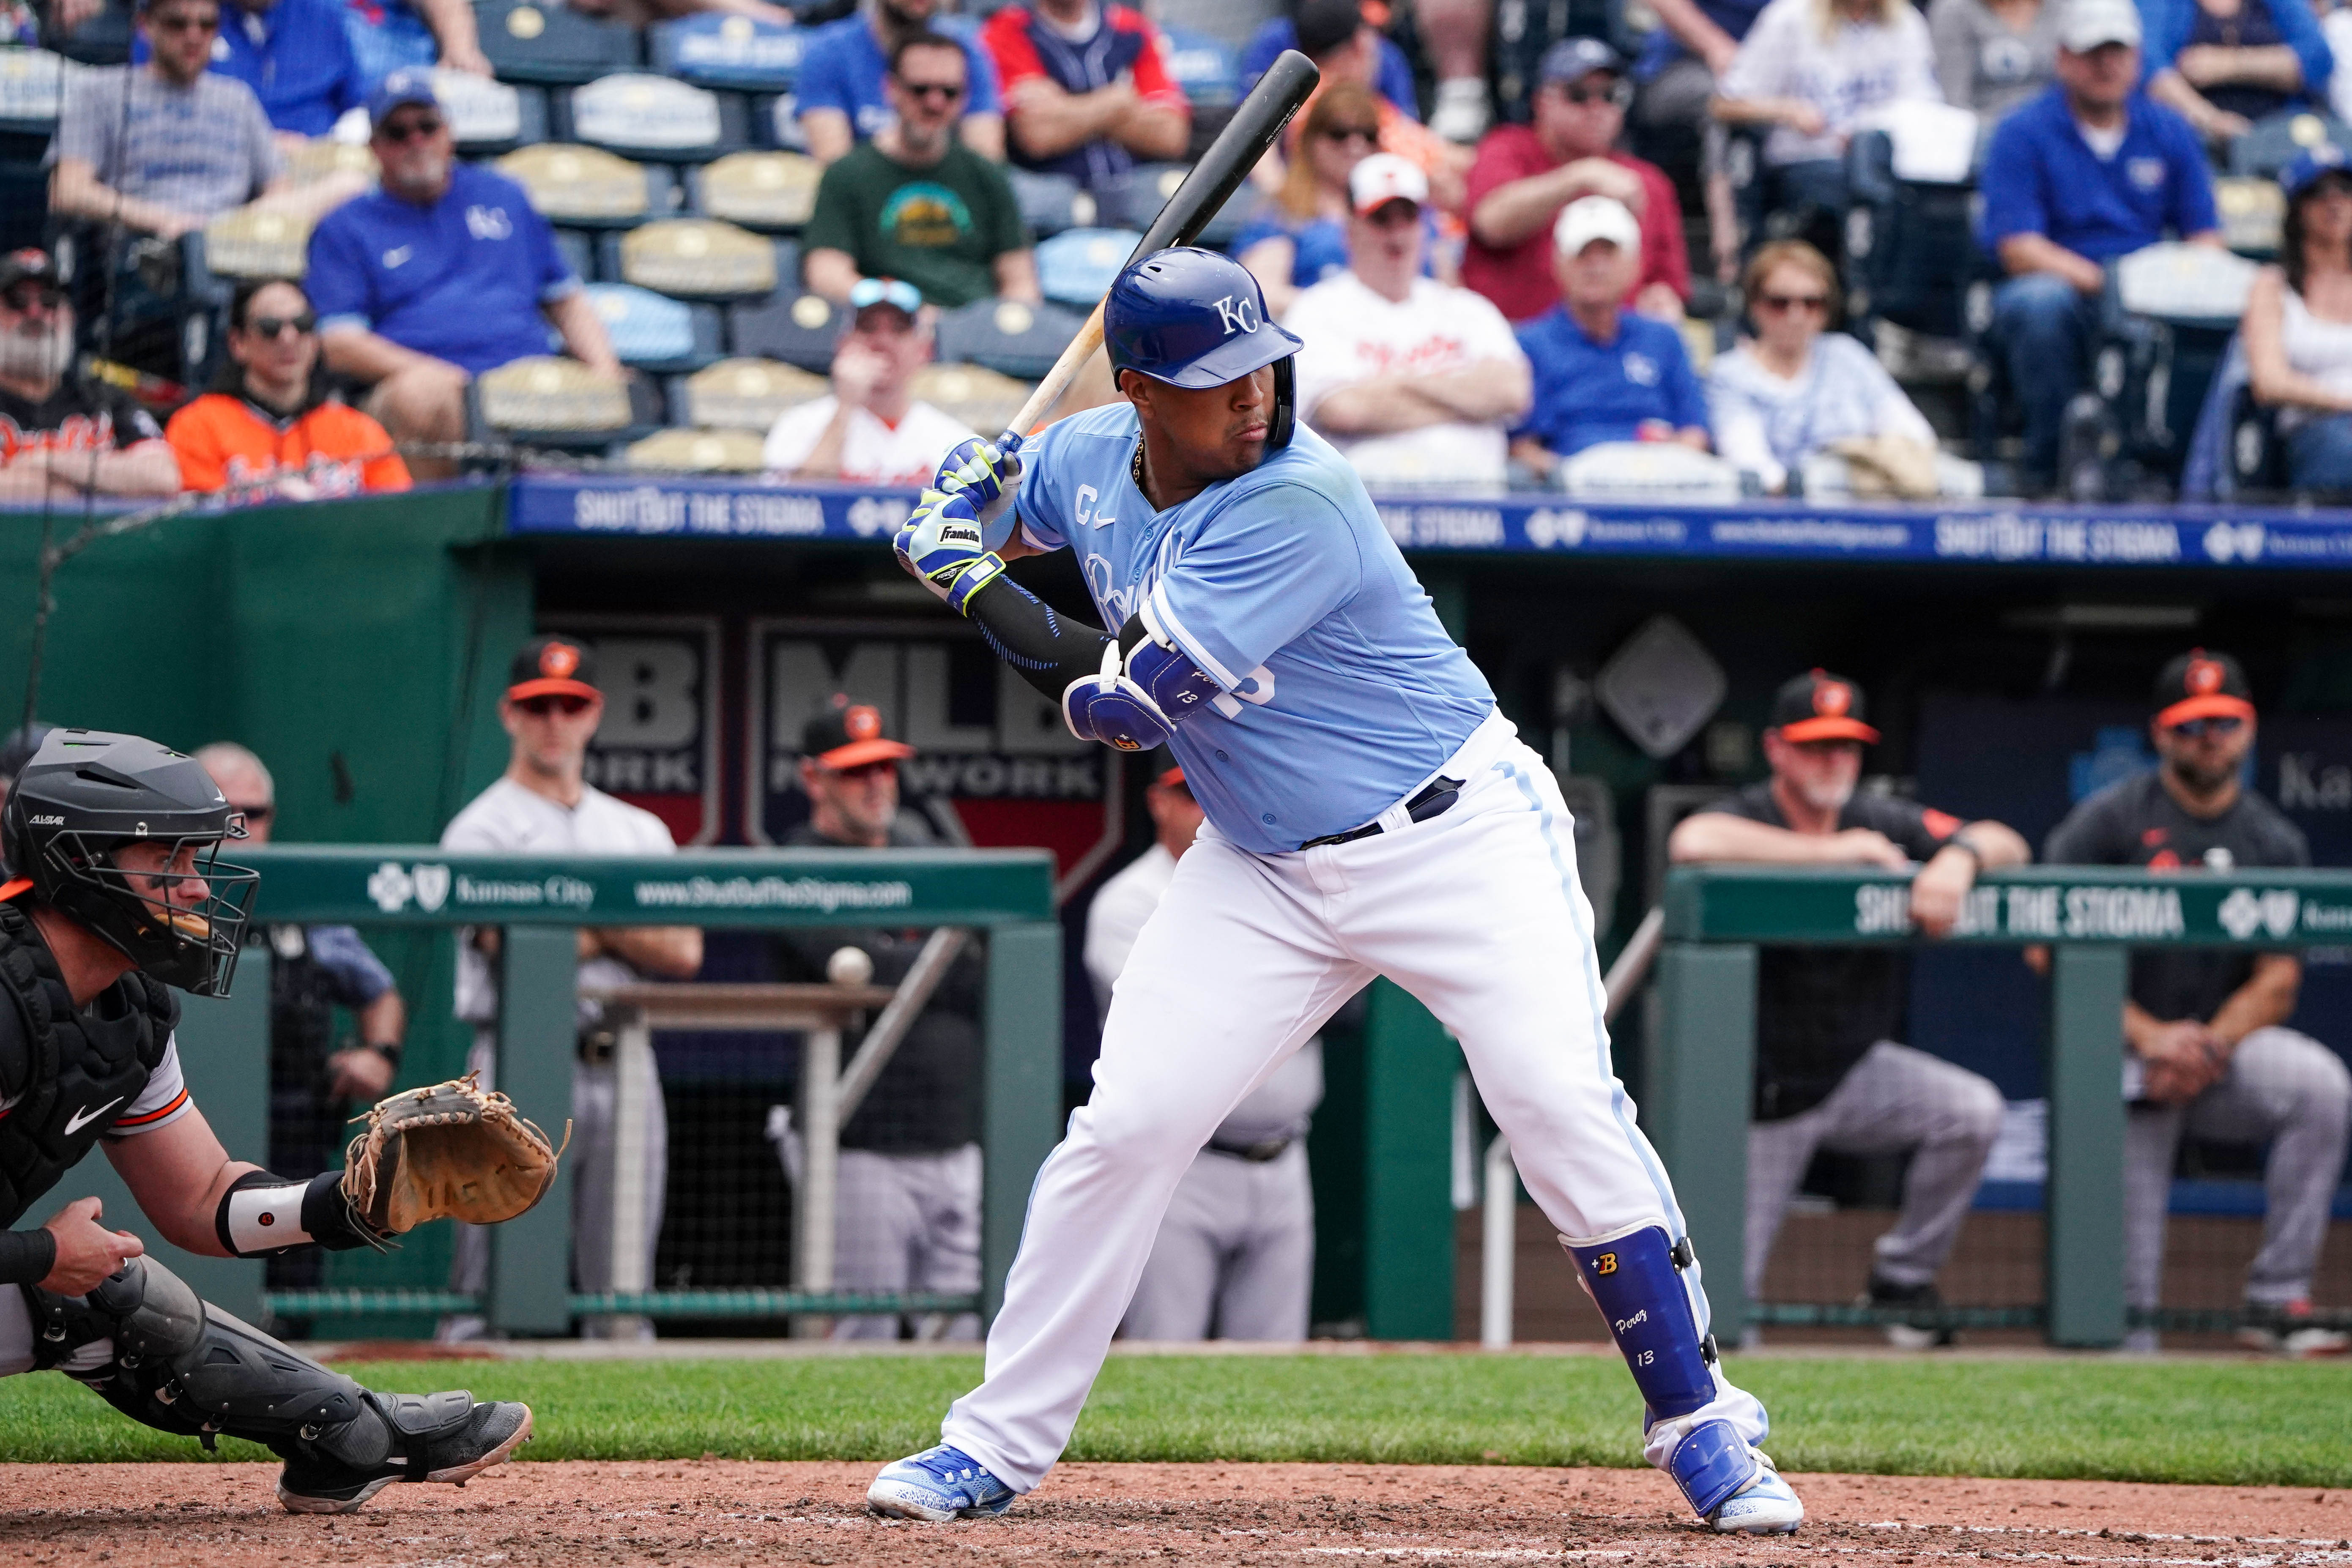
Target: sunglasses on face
(1810, 303)
(33, 297)
(2198, 728)
(1614, 95)
(925, 91)
(275, 326)
(1370, 137)
(181, 22)
(566, 704)
(405, 131)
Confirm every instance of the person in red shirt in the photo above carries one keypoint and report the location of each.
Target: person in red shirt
(266, 430)
(1087, 89)
(1525, 174)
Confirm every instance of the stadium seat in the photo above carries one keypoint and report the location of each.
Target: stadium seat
(981, 398)
(552, 401)
(579, 252)
(1134, 199)
(587, 187)
(770, 191)
(1008, 336)
(653, 117)
(732, 54)
(243, 243)
(32, 87)
(652, 333)
(1050, 204)
(775, 123)
(1209, 72)
(321, 159)
(2254, 213)
(540, 41)
(2273, 144)
(487, 117)
(1077, 268)
(796, 328)
(698, 452)
(742, 393)
(694, 258)
(1910, 245)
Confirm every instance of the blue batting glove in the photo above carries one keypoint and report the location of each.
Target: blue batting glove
(940, 546)
(988, 473)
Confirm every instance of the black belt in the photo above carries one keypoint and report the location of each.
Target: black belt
(1435, 799)
(1257, 1154)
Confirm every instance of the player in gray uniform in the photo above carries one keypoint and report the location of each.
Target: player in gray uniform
(1236, 1257)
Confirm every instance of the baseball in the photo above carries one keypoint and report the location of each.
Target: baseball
(849, 966)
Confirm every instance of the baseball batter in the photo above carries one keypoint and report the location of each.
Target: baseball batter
(1370, 813)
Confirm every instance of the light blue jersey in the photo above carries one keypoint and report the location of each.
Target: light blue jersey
(1341, 692)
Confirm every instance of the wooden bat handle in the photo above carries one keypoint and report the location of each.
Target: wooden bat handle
(1057, 381)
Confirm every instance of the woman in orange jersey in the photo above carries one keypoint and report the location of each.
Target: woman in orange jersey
(266, 430)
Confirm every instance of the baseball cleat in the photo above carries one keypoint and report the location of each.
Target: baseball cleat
(2288, 1331)
(937, 1485)
(1765, 1506)
(456, 1451)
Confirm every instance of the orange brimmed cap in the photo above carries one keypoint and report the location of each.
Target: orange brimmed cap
(552, 667)
(2201, 685)
(846, 734)
(1818, 705)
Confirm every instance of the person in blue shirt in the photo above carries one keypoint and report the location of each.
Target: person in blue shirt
(1602, 373)
(386, 35)
(2225, 64)
(296, 57)
(1331, 22)
(2087, 172)
(839, 93)
(446, 272)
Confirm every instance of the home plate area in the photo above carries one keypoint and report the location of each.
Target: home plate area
(725, 1511)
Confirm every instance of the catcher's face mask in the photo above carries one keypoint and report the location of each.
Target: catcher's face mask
(171, 905)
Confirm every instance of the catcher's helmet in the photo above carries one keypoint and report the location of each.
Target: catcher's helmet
(1194, 319)
(83, 798)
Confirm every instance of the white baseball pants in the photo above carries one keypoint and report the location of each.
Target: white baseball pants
(1477, 913)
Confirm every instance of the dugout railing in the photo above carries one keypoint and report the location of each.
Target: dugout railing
(1696, 1107)
(1004, 896)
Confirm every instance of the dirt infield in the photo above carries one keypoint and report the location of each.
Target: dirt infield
(714, 1511)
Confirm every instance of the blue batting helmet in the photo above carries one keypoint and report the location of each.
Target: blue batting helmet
(1195, 320)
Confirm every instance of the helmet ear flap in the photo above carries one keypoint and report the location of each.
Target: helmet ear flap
(1283, 420)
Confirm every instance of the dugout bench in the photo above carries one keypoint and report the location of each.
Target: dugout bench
(539, 900)
(1696, 1107)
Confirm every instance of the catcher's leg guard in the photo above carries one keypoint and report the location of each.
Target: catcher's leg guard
(184, 1366)
(1634, 1277)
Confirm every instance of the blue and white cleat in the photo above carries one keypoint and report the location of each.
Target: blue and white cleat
(943, 1483)
(1765, 1506)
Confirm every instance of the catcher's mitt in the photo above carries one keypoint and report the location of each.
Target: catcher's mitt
(448, 1151)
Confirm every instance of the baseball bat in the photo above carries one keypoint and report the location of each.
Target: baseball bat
(1287, 84)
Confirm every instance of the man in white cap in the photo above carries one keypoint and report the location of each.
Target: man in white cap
(2087, 172)
(1416, 381)
(1602, 373)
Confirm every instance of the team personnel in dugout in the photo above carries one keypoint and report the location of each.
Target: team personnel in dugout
(915, 203)
(1830, 1072)
(1603, 372)
(64, 437)
(2208, 1052)
(1087, 91)
(161, 147)
(907, 1211)
(870, 428)
(445, 273)
(295, 55)
(267, 427)
(2087, 172)
(1415, 381)
(842, 96)
(1527, 174)
(544, 805)
(1234, 1258)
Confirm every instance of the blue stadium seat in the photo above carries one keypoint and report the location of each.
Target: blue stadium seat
(1077, 268)
(1007, 336)
(656, 333)
(651, 117)
(491, 116)
(775, 122)
(732, 54)
(579, 252)
(1050, 203)
(541, 41)
(789, 325)
(1134, 199)
(1209, 72)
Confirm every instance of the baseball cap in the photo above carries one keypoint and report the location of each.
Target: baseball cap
(1573, 59)
(891, 292)
(1323, 25)
(410, 84)
(2201, 685)
(552, 667)
(1818, 705)
(846, 734)
(1588, 218)
(1383, 177)
(2087, 24)
(31, 261)
(2309, 165)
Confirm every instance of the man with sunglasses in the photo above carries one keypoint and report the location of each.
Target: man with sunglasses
(2207, 1052)
(841, 92)
(917, 204)
(1525, 174)
(158, 148)
(446, 272)
(63, 435)
(909, 1209)
(544, 805)
(1415, 382)
(871, 428)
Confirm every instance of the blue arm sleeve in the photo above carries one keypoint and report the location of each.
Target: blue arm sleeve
(1277, 562)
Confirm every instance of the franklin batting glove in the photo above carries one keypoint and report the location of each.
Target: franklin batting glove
(987, 474)
(940, 545)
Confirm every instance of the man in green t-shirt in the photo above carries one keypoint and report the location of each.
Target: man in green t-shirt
(916, 203)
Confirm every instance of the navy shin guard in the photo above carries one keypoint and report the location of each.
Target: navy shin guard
(1634, 1277)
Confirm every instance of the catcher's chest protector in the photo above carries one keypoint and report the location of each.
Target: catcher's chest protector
(68, 1072)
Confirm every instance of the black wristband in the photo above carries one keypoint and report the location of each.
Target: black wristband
(327, 1215)
(26, 1255)
(388, 1049)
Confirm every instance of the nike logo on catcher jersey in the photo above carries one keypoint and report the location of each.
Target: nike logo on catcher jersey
(81, 1119)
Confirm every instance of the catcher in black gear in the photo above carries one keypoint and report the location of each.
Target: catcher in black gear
(117, 894)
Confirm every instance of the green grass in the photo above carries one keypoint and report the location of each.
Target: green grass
(2221, 1422)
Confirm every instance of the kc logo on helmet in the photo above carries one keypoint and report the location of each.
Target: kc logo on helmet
(1238, 314)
